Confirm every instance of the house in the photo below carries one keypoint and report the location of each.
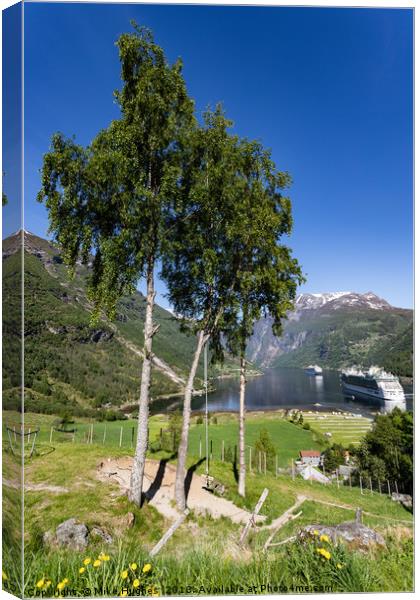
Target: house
(310, 457)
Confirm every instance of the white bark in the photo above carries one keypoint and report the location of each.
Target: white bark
(242, 466)
(183, 444)
(137, 473)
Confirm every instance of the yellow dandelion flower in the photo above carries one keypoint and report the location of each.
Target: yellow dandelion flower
(324, 538)
(339, 566)
(315, 532)
(82, 570)
(4, 576)
(97, 563)
(87, 561)
(40, 583)
(65, 580)
(103, 556)
(47, 584)
(61, 585)
(133, 566)
(124, 593)
(124, 574)
(147, 568)
(136, 583)
(324, 553)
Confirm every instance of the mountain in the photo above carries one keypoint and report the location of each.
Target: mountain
(337, 330)
(71, 366)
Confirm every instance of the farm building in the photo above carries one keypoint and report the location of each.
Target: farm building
(310, 457)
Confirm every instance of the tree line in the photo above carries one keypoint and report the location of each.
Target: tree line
(161, 191)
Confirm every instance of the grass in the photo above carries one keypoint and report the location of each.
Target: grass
(203, 552)
(344, 429)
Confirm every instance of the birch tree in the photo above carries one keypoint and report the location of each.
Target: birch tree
(267, 275)
(200, 241)
(109, 199)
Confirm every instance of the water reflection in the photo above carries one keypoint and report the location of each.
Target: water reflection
(287, 388)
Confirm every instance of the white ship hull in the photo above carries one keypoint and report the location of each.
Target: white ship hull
(363, 393)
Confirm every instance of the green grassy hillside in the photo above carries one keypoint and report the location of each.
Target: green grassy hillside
(70, 365)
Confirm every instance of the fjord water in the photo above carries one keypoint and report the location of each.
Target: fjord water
(285, 388)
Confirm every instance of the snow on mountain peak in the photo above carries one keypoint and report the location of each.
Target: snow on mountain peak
(336, 300)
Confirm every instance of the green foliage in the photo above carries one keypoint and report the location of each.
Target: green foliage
(333, 457)
(386, 452)
(264, 445)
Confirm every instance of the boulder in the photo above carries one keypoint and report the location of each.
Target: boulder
(69, 534)
(405, 499)
(101, 533)
(350, 532)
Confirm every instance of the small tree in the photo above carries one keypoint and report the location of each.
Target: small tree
(110, 198)
(334, 456)
(265, 446)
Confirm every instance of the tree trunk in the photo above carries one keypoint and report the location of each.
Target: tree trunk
(137, 473)
(242, 466)
(183, 444)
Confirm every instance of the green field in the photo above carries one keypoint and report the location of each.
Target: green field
(344, 428)
(287, 438)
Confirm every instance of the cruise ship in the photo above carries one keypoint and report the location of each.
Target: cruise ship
(374, 384)
(313, 370)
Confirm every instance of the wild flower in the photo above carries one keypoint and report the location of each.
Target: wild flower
(133, 566)
(324, 553)
(324, 538)
(124, 574)
(40, 583)
(4, 576)
(339, 566)
(61, 585)
(82, 570)
(97, 563)
(147, 568)
(104, 557)
(315, 532)
(87, 561)
(136, 583)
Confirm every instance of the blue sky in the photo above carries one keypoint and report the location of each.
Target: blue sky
(328, 90)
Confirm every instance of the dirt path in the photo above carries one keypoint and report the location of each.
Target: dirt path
(160, 492)
(36, 487)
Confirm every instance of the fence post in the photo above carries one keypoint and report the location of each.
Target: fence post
(121, 434)
(350, 479)
(259, 461)
(132, 436)
(361, 485)
(103, 440)
(91, 434)
(51, 432)
(211, 449)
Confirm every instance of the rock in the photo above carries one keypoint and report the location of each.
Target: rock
(104, 535)
(70, 534)
(405, 499)
(351, 532)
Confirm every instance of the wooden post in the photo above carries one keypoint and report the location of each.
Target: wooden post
(51, 432)
(223, 450)
(389, 488)
(29, 437)
(169, 533)
(251, 521)
(132, 436)
(91, 434)
(211, 449)
(33, 444)
(259, 461)
(350, 479)
(361, 485)
(14, 431)
(74, 437)
(121, 434)
(103, 440)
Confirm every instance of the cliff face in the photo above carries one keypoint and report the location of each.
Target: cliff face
(337, 330)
